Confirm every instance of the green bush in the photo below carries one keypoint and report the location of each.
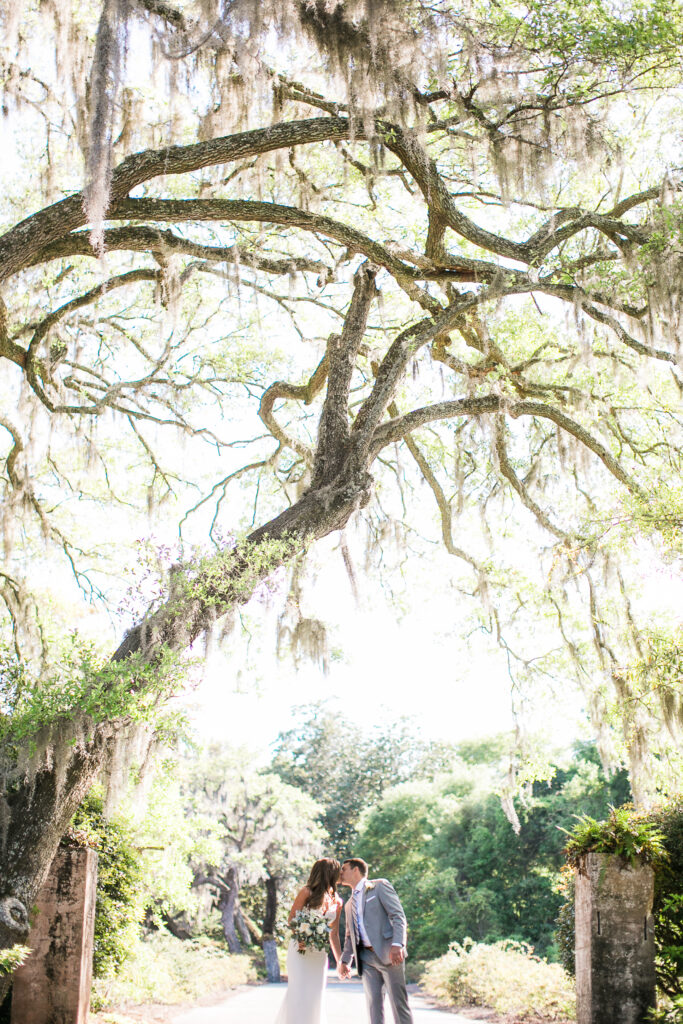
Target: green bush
(163, 969)
(668, 903)
(120, 900)
(505, 977)
(566, 922)
(669, 1013)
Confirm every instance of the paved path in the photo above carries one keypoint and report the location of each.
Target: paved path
(345, 1005)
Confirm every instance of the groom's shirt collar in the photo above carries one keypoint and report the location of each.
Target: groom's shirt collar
(361, 885)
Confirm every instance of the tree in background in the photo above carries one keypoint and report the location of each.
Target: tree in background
(266, 833)
(462, 871)
(346, 768)
(473, 169)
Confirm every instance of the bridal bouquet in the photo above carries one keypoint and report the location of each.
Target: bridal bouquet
(310, 928)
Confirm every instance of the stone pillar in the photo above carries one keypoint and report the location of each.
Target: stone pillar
(615, 950)
(53, 986)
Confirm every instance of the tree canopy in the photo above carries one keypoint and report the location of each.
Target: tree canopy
(396, 250)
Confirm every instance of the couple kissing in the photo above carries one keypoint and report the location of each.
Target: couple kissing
(375, 939)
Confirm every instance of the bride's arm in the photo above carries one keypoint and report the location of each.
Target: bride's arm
(299, 902)
(334, 935)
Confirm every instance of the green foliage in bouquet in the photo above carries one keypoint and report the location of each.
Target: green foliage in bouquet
(310, 930)
(11, 959)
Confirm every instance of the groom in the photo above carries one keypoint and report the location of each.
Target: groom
(376, 937)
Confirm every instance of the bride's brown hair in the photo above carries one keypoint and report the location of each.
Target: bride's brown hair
(323, 877)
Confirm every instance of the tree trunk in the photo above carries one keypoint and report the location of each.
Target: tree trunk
(272, 962)
(254, 930)
(269, 943)
(270, 916)
(228, 905)
(242, 926)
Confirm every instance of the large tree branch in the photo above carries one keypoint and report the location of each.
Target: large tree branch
(19, 245)
(397, 428)
(570, 426)
(187, 210)
(152, 240)
(406, 146)
(342, 352)
(392, 367)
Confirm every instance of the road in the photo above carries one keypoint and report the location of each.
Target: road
(345, 1005)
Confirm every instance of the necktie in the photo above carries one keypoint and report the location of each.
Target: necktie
(354, 913)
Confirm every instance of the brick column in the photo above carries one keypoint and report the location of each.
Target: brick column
(615, 955)
(53, 986)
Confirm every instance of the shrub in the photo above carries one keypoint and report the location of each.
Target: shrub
(120, 901)
(668, 904)
(505, 977)
(163, 969)
(671, 1013)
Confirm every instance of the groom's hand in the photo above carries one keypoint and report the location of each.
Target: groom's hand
(397, 955)
(343, 970)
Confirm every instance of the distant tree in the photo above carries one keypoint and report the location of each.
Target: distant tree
(266, 833)
(346, 767)
(460, 868)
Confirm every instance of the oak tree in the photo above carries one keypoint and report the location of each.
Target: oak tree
(476, 203)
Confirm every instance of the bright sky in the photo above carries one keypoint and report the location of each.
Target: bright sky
(418, 667)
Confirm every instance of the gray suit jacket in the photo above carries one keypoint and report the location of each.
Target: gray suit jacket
(384, 921)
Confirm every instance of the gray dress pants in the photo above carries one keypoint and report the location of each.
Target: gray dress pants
(376, 978)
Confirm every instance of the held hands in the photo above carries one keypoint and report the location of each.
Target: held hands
(397, 955)
(343, 970)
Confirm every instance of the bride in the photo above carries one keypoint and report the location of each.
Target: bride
(304, 1001)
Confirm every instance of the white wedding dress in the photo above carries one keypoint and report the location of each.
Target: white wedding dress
(304, 1001)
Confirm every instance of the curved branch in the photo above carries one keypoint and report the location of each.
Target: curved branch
(570, 426)
(153, 240)
(19, 245)
(298, 392)
(508, 472)
(442, 502)
(628, 339)
(35, 367)
(406, 146)
(185, 210)
(396, 428)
